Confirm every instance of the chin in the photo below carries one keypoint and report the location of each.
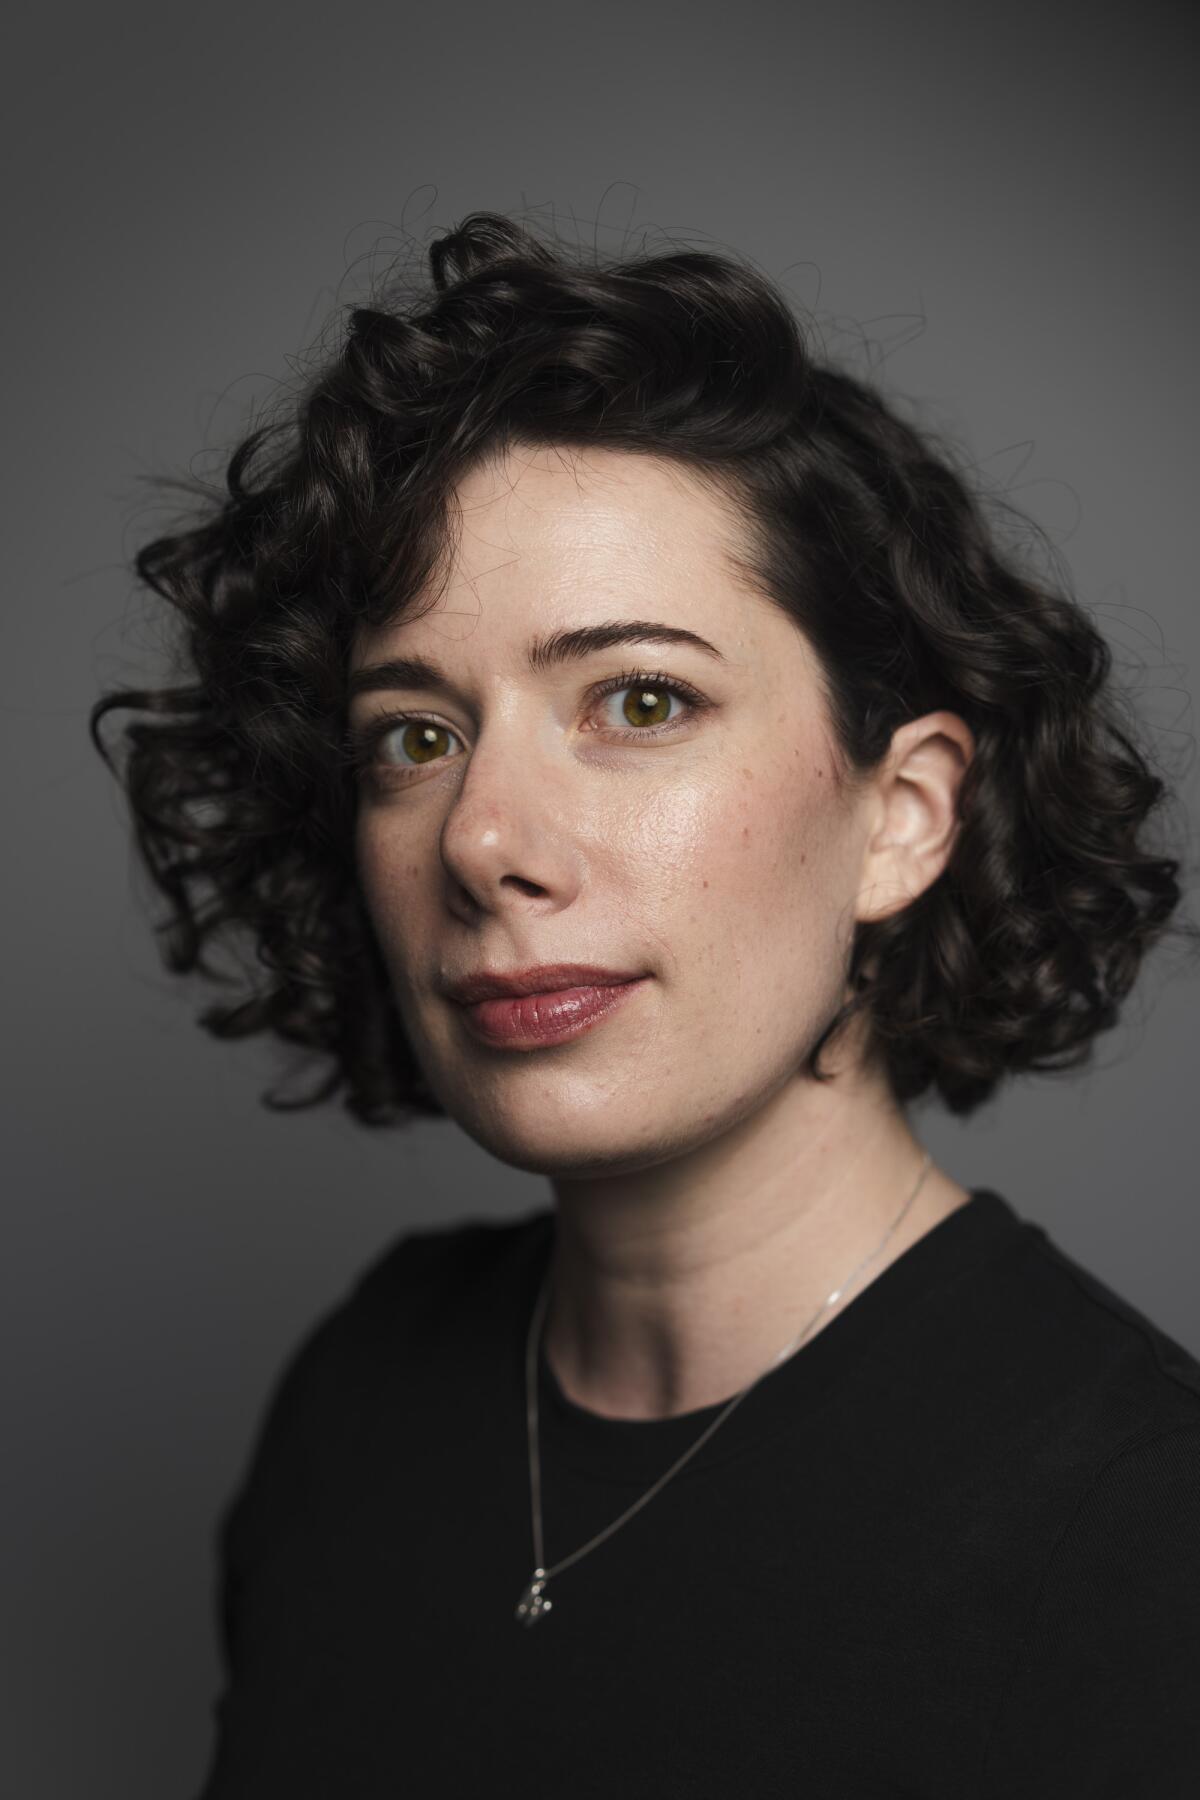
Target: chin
(566, 1155)
(580, 1133)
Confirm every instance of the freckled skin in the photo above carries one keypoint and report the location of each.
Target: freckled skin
(548, 829)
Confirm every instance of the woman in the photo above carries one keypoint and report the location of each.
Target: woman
(619, 732)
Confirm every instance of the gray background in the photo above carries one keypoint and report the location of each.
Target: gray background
(998, 202)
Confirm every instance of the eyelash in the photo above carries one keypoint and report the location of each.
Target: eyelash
(365, 741)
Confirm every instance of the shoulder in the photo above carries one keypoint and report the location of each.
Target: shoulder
(1096, 1410)
(1163, 1364)
(328, 1381)
(414, 1282)
(355, 1357)
(447, 1256)
(427, 1275)
(1087, 1372)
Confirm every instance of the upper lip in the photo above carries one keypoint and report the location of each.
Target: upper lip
(547, 978)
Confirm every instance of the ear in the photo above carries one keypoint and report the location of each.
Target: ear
(912, 808)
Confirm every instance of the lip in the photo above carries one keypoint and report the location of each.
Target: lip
(530, 1021)
(546, 978)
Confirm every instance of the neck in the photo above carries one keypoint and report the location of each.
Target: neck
(674, 1286)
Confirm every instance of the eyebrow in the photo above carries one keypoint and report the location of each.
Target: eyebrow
(543, 653)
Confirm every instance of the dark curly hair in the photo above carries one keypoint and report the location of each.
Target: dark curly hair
(339, 515)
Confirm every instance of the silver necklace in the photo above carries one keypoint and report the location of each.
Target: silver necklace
(533, 1604)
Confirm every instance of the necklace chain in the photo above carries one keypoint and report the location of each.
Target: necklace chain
(532, 1604)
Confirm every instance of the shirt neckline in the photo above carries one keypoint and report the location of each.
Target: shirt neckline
(624, 1451)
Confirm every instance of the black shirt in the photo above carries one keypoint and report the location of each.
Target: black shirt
(951, 1547)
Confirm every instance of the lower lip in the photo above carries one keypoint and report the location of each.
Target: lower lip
(526, 1021)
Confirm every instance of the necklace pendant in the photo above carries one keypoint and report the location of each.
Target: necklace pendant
(532, 1604)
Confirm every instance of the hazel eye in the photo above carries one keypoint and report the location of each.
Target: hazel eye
(422, 739)
(645, 705)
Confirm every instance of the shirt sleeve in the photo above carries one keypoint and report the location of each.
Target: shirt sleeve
(1104, 1699)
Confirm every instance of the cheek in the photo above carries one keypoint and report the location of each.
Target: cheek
(779, 833)
(391, 884)
(768, 887)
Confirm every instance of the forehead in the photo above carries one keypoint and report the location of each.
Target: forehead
(570, 510)
(547, 539)
(589, 476)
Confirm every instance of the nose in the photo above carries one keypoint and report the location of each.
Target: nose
(512, 829)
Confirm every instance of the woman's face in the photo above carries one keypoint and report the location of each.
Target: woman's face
(520, 816)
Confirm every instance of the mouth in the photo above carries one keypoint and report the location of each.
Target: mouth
(531, 1021)
(546, 978)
